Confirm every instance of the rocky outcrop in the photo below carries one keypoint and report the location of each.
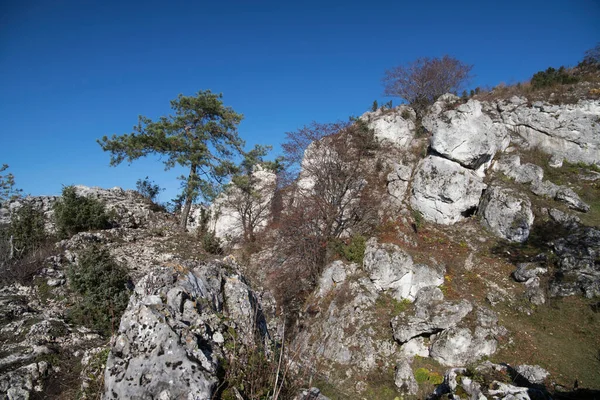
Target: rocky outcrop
(461, 345)
(171, 336)
(398, 181)
(569, 131)
(392, 269)
(494, 381)
(578, 263)
(126, 208)
(226, 214)
(445, 192)
(431, 315)
(466, 135)
(396, 128)
(506, 213)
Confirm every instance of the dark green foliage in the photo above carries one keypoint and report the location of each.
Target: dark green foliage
(201, 136)
(551, 77)
(211, 243)
(27, 230)
(375, 106)
(352, 249)
(74, 213)
(100, 282)
(472, 93)
(148, 188)
(464, 95)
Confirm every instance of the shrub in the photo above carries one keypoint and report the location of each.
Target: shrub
(211, 243)
(101, 284)
(352, 250)
(551, 77)
(148, 188)
(24, 245)
(26, 230)
(74, 213)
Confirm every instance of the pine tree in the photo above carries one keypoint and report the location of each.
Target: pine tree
(201, 136)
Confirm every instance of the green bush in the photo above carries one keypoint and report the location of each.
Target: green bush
(101, 284)
(352, 250)
(551, 77)
(211, 243)
(27, 230)
(74, 213)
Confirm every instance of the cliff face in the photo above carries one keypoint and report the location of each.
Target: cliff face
(479, 274)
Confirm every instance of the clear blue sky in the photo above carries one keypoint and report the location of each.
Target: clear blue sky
(73, 71)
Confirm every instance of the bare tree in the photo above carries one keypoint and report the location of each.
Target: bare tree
(422, 81)
(330, 198)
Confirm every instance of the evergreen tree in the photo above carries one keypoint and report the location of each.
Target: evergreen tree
(201, 136)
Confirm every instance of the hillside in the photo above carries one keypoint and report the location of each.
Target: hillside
(455, 255)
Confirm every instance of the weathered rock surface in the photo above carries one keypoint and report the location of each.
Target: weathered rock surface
(467, 135)
(392, 269)
(444, 191)
(578, 261)
(127, 208)
(404, 379)
(506, 213)
(392, 127)
(171, 336)
(569, 130)
(431, 315)
(225, 213)
(461, 345)
(398, 181)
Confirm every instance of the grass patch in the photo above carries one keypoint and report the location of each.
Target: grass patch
(560, 336)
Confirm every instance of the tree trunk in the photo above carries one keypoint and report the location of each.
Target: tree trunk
(185, 211)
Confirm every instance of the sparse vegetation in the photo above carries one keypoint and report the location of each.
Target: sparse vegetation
(352, 249)
(148, 189)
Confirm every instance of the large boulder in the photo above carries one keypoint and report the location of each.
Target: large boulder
(397, 128)
(467, 135)
(431, 315)
(392, 269)
(569, 131)
(506, 213)
(171, 337)
(444, 191)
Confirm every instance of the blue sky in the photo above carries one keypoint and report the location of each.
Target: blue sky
(74, 71)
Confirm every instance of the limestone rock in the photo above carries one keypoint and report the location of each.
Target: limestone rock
(392, 269)
(393, 127)
(466, 135)
(579, 270)
(444, 191)
(429, 318)
(460, 345)
(224, 217)
(506, 213)
(526, 271)
(569, 131)
(533, 373)
(168, 344)
(404, 379)
(398, 180)
(334, 274)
